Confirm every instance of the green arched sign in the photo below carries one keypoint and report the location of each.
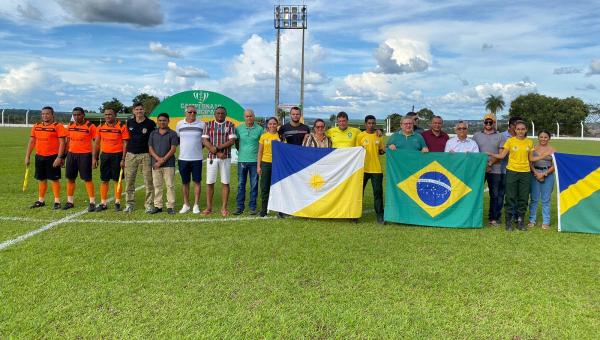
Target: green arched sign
(205, 102)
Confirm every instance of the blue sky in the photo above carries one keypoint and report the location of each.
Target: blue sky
(363, 57)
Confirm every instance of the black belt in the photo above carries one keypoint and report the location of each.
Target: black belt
(541, 168)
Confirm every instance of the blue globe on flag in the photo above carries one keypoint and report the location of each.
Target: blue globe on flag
(433, 188)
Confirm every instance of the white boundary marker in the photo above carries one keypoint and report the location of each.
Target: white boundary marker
(48, 226)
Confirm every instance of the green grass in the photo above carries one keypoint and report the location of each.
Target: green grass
(287, 278)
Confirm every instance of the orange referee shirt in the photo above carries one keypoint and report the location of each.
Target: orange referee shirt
(46, 138)
(111, 137)
(81, 136)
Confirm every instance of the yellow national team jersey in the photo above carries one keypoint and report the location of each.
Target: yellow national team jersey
(518, 157)
(372, 145)
(343, 139)
(266, 140)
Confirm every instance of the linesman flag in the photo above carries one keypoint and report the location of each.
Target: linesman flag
(317, 182)
(578, 180)
(435, 189)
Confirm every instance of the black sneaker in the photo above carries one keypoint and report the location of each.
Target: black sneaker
(280, 215)
(380, 219)
(68, 206)
(91, 207)
(238, 211)
(154, 210)
(56, 206)
(253, 212)
(101, 207)
(37, 204)
(170, 211)
(117, 206)
(262, 214)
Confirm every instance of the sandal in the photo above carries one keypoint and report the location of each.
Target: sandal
(531, 225)
(545, 226)
(207, 212)
(224, 212)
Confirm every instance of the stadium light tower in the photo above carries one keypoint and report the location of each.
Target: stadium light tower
(289, 17)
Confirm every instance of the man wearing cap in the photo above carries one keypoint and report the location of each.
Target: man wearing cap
(492, 141)
(461, 143)
(435, 137)
(190, 131)
(415, 117)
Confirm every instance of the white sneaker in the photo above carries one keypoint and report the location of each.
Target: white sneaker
(196, 209)
(184, 209)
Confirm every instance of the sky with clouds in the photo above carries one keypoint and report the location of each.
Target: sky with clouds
(363, 57)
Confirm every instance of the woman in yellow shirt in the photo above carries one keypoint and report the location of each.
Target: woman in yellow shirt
(264, 161)
(519, 150)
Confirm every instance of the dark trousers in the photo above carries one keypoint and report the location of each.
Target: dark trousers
(265, 185)
(377, 184)
(518, 185)
(245, 170)
(496, 189)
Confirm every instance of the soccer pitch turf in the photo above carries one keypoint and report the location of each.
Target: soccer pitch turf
(112, 275)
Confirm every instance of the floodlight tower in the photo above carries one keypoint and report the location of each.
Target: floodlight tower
(289, 17)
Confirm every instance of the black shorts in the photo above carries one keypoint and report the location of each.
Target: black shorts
(110, 166)
(44, 169)
(79, 162)
(191, 169)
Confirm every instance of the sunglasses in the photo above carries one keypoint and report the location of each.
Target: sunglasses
(191, 112)
(461, 128)
(488, 122)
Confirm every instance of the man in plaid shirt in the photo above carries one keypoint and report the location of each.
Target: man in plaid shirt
(219, 136)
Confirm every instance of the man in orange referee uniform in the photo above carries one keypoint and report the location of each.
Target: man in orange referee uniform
(80, 157)
(48, 140)
(111, 139)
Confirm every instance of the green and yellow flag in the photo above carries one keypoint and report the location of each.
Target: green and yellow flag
(435, 189)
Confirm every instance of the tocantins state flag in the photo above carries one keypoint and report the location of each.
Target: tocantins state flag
(435, 189)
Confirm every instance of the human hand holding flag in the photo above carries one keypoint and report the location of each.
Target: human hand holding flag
(26, 179)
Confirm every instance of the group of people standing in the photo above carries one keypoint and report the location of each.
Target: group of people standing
(516, 170)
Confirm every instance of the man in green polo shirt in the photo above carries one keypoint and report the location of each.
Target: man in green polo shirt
(246, 142)
(406, 138)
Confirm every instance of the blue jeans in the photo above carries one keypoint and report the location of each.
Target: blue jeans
(496, 190)
(245, 169)
(541, 190)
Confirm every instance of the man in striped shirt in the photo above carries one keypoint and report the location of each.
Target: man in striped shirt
(219, 136)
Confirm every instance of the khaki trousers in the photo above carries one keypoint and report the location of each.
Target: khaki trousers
(161, 177)
(134, 162)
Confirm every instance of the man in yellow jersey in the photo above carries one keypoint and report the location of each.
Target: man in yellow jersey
(374, 147)
(342, 136)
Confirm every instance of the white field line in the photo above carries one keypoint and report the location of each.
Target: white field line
(48, 226)
(21, 219)
(171, 221)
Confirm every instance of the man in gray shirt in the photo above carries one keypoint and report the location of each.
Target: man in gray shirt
(162, 145)
(491, 141)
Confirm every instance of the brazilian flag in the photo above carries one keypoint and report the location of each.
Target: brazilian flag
(578, 192)
(435, 189)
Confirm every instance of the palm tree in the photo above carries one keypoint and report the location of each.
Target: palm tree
(494, 103)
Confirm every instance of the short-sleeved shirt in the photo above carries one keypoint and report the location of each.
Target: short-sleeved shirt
(248, 138)
(81, 137)
(46, 138)
(504, 162)
(343, 138)
(293, 134)
(413, 142)
(218, 134)
(435, 143)
(493, 143)
(162, 143)
(265, 140)
(111, 137)
(518, 154)
(372, 145)
(139, 133)
(190, 139)
(456, 145)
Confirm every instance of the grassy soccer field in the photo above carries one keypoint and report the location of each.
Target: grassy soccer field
(113, 275)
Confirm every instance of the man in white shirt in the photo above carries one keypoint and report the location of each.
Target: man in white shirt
(190, 131)
(461, 143)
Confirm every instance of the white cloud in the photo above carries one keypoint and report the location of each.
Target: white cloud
(28, 11)
(186, 72)
(594, 68)
(402, 56)
(566, 70)
(159, 48)
(478, 93)
(21, 80)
